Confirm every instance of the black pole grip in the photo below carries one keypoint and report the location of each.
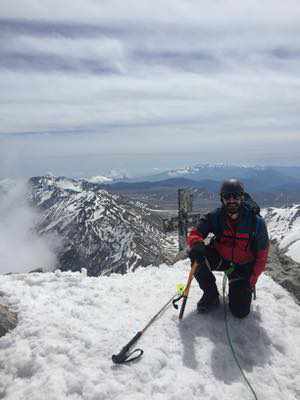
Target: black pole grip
(175, 301)
(122, 356)
(182, 307)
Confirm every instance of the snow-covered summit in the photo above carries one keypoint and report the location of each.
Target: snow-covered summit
(99, 179)
(259, 177)
(70, 325)
(197, 168)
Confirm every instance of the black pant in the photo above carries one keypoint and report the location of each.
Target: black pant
(240, 292)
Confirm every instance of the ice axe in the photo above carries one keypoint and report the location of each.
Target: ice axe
(185, 293)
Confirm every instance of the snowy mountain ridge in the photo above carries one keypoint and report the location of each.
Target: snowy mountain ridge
(100, 231)
(217, 166)
(99, 179)
(261, 179)
(284, 228)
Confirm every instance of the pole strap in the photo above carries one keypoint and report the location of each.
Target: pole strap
(126, 358)
(123, 356)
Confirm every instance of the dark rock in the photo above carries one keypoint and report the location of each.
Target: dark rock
(8, 320)
(284, 271)
(36, 270)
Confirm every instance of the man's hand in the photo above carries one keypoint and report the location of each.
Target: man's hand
(197, 252)
(252, 281)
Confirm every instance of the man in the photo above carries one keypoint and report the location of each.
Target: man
(239, 247)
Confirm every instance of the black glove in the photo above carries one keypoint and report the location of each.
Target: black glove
(197, 252)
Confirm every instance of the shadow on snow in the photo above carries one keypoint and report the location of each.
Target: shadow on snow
(250, 340)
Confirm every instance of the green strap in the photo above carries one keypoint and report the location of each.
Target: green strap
(229, 270)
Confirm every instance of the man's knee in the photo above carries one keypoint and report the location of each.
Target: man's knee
(240, 298)
(202, 272)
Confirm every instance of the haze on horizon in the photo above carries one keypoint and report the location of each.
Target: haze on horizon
(162, 85)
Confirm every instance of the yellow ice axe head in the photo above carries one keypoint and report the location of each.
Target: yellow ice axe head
(180, 287)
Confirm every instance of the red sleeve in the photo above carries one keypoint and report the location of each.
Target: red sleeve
(193, 237)
(259, 266)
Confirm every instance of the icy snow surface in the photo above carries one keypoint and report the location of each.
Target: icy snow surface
(70, 325)
(284, 227)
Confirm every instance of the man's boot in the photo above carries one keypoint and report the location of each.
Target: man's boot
(208, 301)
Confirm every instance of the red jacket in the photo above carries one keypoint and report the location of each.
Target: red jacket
(236, 242)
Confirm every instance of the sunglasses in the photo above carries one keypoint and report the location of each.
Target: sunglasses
(235, 196)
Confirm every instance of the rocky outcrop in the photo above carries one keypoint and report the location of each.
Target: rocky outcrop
(8, 320)
(284, 270)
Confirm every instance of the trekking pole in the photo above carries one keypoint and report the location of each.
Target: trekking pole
(123, 357)
(186, 290)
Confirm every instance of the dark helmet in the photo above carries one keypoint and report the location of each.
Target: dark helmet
(232, 186)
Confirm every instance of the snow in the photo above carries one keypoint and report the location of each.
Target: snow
(284, 227)
(180, 171)
(67, 184)
(70, 325)
(97, 214)
(99, 179)
(279, 220)
(294, 251)
(215, 166)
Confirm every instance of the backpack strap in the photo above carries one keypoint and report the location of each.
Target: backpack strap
(217, 220)
(255, 227)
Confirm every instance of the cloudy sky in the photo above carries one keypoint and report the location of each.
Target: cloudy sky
(215, 80)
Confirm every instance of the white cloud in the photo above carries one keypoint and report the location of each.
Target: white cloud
(124, 74)
(168, 10)
(21, 249)
(102, 48)
(58, 102)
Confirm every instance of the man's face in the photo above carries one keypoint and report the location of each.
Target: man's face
(232, 202)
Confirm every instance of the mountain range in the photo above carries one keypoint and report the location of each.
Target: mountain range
(107, 232)
(270, 186)
(99, 231)
(109, 228)
(219, 172)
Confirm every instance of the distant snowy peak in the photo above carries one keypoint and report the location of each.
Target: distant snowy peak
(284, 228)
(77, 185)
(207, 166)
(218, 172)
(180, 171)
(99, 179)
(49, 182)
(113, 176)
